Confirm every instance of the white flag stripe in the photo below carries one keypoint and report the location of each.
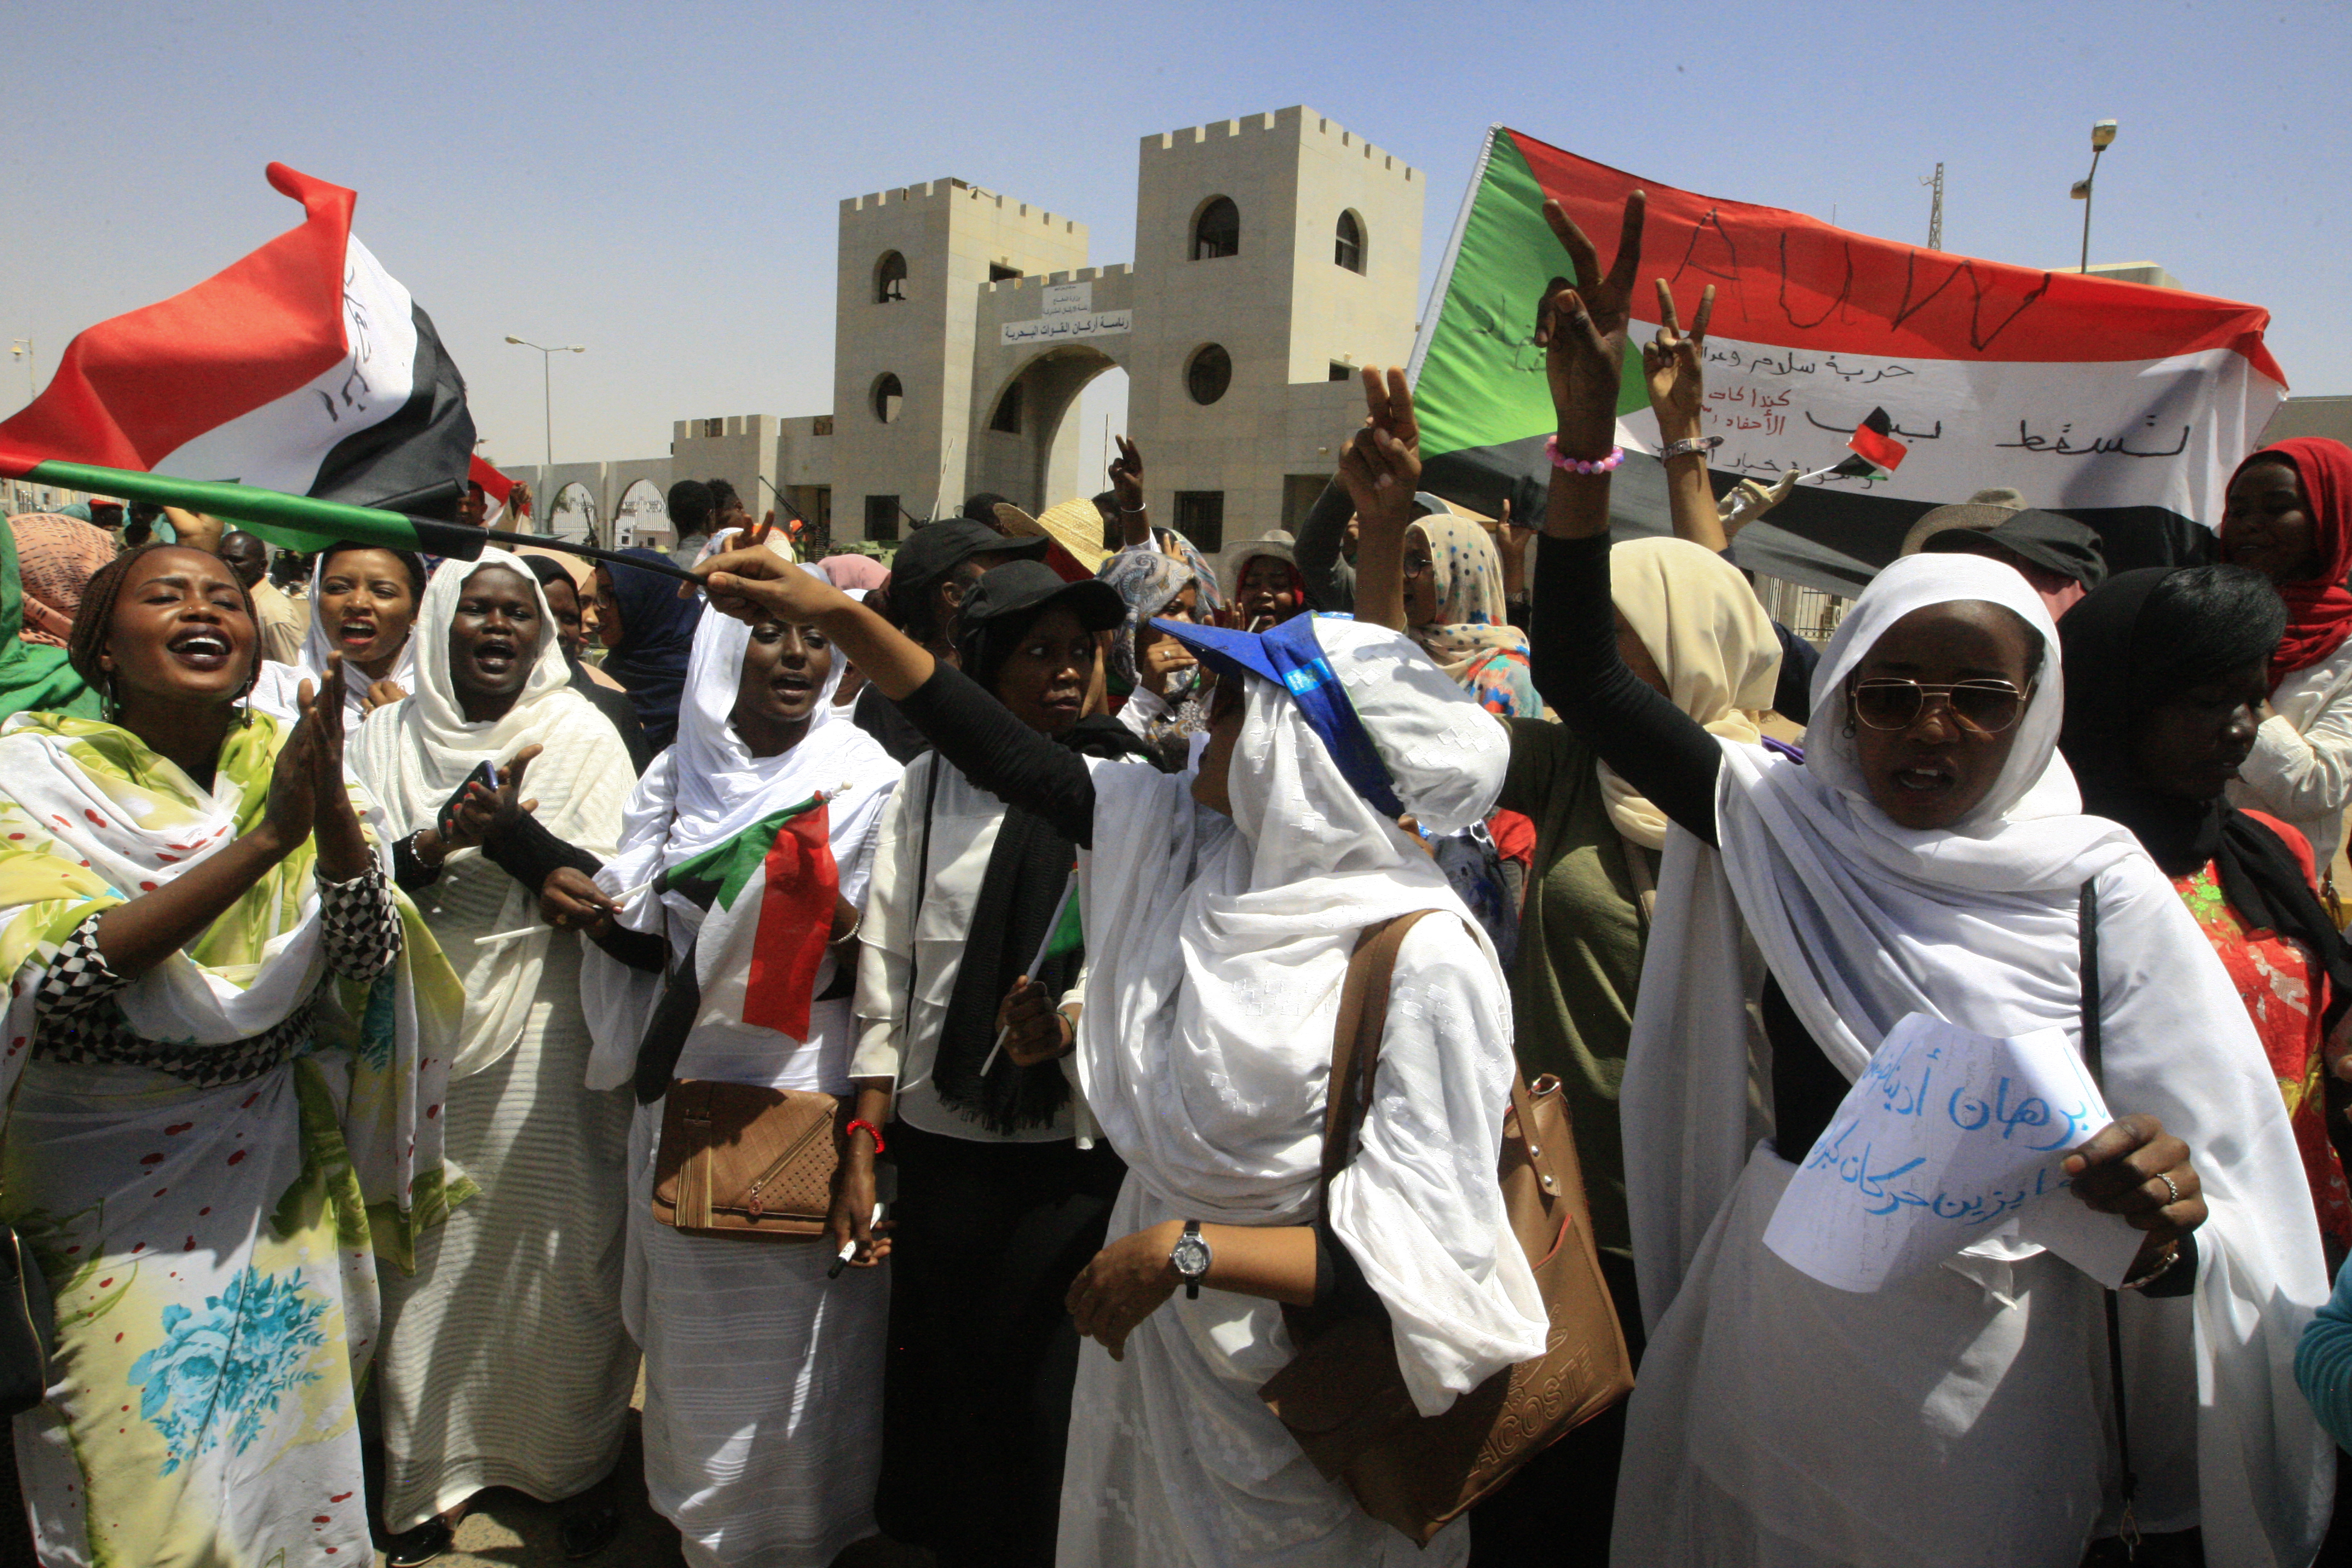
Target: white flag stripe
(2160, 433)
(281, 445)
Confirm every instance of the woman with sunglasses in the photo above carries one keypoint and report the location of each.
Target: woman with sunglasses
(1927, 857)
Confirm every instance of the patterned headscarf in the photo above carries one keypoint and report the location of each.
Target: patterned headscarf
(1150, 583)
(1472, 639)
(55, 558)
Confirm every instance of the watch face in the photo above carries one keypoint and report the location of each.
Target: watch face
(1191, 1255)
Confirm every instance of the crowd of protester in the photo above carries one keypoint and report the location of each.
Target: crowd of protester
(369, 968)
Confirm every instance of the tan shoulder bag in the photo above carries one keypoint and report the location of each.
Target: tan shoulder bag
(1343, 1397)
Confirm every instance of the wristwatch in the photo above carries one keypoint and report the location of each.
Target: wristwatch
(1191, 1255)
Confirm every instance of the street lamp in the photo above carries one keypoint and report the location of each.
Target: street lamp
(22, 347)
(2102, 136)
(546, 397)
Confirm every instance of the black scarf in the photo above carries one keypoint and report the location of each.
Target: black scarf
(1027, 870)
(2260, 876)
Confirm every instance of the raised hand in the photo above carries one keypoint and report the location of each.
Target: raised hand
(1127, 475)
(293, 799)
(384, 693)
(1673, 366)
(758, 584)
(1580, 327)
(1381, 470)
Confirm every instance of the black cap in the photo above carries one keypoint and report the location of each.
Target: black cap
(1019, 587)
(936, 548)
(2041, 539)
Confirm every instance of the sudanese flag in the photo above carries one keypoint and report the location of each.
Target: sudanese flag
(302, 374)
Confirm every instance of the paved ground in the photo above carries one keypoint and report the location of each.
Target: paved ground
(507, 1530)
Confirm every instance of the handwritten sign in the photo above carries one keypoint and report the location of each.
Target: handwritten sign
(1086, 324)
(1948, 1138)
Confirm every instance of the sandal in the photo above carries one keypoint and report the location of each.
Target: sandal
(589, 1529)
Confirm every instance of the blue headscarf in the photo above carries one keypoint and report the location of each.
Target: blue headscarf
(656, 641)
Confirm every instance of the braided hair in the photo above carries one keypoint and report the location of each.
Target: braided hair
(93, 621)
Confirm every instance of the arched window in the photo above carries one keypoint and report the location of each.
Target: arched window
(1349, 249)
(1208, 373)
(1217, 231)
(888, 397)
(889, 278)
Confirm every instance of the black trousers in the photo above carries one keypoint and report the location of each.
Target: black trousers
(976, 1407)
(1556, 1512)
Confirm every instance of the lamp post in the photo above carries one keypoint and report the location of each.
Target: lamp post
(22, 347)
(546, 394)
(2102, 136)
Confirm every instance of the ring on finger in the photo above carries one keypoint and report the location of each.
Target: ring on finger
(2170, 1187)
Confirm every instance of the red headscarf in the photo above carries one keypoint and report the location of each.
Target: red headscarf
(2318, 608)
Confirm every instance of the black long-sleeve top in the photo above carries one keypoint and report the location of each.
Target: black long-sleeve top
(1662, 752)
(1022, 768)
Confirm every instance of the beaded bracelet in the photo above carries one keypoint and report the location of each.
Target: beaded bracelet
(861, 1121)
(1578, 465)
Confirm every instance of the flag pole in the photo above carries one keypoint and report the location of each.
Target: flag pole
(276, 515)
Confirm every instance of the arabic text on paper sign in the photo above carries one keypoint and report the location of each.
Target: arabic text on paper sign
(1946, 1139)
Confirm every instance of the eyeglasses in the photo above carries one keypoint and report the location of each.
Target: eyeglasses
(1415, 563)
(1985, 707)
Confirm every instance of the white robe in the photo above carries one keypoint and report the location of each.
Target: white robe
(1959, 1419)
(1217, 951)
(762, 1414)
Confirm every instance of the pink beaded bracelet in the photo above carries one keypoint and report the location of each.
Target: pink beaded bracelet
(1578, 465)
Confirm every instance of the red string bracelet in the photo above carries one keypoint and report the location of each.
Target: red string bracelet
(861, 1121)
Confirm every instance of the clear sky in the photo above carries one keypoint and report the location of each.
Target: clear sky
(659, 183)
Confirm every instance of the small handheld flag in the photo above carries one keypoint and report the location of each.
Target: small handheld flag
(1875, 444)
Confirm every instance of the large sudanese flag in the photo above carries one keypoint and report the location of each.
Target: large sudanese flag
(299, 391)
(2122, 404)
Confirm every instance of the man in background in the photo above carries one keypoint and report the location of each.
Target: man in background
(282, 624)
(690, 510)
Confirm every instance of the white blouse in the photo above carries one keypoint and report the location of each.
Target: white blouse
(2301, 768)
(903, 924)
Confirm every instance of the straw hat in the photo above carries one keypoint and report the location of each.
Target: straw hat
(1074, 525)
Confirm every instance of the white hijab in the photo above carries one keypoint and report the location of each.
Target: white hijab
(415, 754)
(704, 789)
(280, 686)
(1216, 950)
(1865, 921)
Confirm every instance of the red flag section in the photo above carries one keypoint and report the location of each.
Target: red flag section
(1785, 278)
(801, 885)
(131, 391)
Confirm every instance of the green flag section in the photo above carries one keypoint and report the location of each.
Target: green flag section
(2121, 405)
(297, 522)
(771, 890)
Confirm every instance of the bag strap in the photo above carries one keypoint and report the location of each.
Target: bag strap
(922, 880)
(2086, 926)
(1356, 1038)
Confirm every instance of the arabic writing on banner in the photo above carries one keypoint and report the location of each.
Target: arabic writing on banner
(2044, 432)
(1946, 1139)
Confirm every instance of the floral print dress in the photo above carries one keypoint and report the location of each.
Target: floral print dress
(2274, 975)
(206, 1159)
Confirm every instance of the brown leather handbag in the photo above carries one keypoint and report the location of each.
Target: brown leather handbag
(1343, 1397)
(739, 1161)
